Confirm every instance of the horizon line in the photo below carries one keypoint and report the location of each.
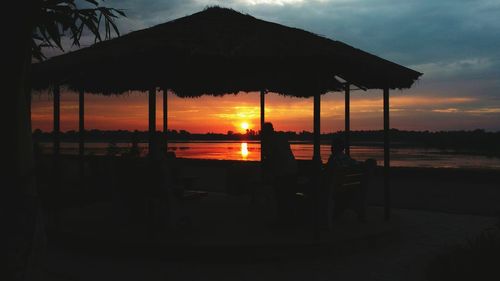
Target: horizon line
(178, 131)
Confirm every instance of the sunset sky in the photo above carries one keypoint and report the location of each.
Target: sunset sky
(455, 43)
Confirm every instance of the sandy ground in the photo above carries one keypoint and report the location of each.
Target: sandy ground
(433, 207)
(404, 256)
(438, 189)
(445, 190)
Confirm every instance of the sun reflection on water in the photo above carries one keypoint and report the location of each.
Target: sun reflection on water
(244, 150)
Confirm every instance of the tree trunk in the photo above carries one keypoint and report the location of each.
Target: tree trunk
(25, 243)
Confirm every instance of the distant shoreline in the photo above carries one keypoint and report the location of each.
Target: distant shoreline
(477, 142)
(450, 151)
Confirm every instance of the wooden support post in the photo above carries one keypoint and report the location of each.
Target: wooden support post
(56, 171)
(152, 119)
(317, 129)
(387, 165)
(347, 118)
(262, 120)
(317, 165)
(165, 115)
(57, 121)
(81, 130)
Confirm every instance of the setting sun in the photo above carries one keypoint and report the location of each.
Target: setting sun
(245, 126)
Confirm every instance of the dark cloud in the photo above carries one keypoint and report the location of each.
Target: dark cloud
(412, 32)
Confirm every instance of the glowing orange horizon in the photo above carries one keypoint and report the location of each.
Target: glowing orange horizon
(242, 112)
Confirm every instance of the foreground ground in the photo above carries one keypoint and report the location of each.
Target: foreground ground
(404, 256)
(433, 208)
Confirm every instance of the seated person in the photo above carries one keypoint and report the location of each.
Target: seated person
(134, 151)
(340, 164)
(280, 167)
(338, 157)
(279, 160)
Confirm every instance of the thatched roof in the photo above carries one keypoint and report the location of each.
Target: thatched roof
(219, 51)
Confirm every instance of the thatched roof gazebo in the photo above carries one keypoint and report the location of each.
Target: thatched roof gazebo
(219, 51)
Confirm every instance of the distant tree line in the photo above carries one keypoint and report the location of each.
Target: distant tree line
(476, 141)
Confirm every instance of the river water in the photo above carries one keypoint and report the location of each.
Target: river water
(250, 151)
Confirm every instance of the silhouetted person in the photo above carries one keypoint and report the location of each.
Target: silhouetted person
(280, 167)
(338, 156)
(341, 170)
(135, 151)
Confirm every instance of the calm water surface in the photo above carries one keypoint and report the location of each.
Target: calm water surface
(250, 151)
